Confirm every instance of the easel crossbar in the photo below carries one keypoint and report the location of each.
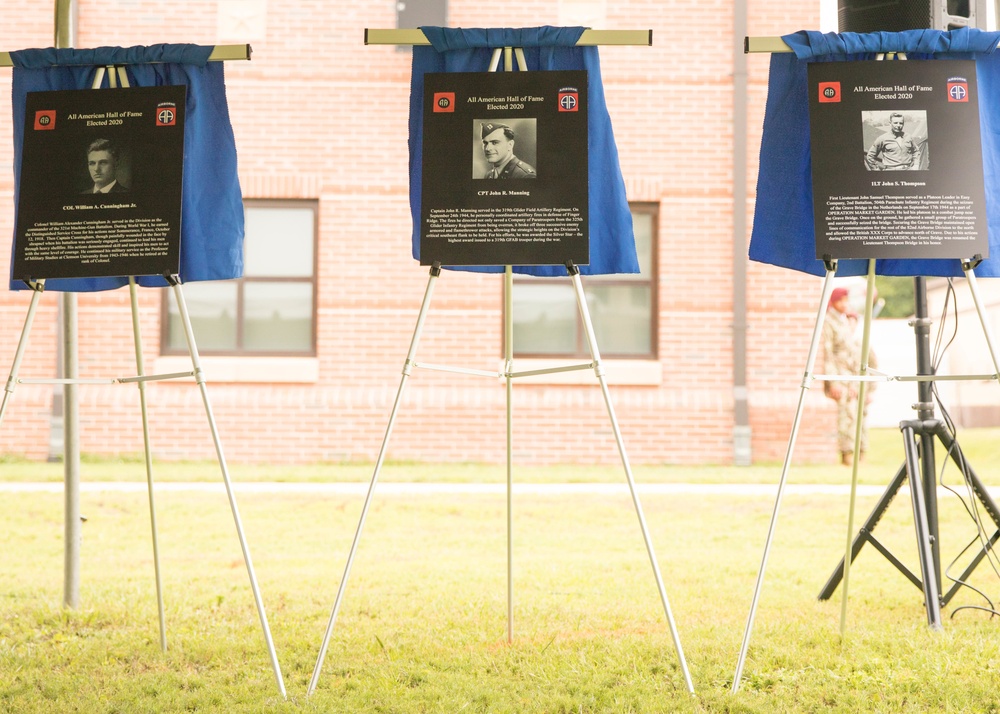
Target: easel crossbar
(458, 370)
(764, 44)
(554, 370)
(906, 377)
(588, 38)
(53, 380)
(155, 377)
(502, 374)
(221, 53)
(106, 380)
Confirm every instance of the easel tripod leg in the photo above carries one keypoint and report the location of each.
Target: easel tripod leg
(645, 535)
(200, 379)
(407, 370)
(22, 345)
(924, 547)
(806, 380)
(970, 276)
(140, 371)
(508, 312)
(72, 524)
(581, 300)
(859, 425)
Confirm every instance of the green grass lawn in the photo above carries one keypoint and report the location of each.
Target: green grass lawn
(423, 626)
(885, 455)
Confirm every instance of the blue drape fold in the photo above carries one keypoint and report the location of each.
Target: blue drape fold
(783, 227)
(612, 242)
(212, 202)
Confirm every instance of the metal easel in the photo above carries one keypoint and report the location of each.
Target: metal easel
(918, 468)
(118, 77)
(589, 37)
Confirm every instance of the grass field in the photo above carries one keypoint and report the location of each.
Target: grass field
(423, 626)
(884, 456)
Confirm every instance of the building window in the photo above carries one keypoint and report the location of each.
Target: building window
(271, 310)
(547, 322)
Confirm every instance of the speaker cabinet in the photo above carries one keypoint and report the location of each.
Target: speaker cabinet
(418, 13)
(899, 15)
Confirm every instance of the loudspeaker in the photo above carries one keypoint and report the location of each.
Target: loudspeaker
(899, 15)
(418, 13)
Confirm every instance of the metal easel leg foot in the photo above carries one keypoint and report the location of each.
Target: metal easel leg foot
(407, 370)
(200, 379)
(599, 372)
(140, 371)
(806, 380)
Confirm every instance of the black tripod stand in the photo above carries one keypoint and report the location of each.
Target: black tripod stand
(918, 469)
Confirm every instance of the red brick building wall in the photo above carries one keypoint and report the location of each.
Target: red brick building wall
(319, 115)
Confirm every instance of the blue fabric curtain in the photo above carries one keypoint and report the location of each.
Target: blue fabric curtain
(612, 242)
(212, 203)
(783, 228)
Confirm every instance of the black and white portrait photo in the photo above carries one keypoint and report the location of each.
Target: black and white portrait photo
(895, 140)
(108, 167)
(504, 149)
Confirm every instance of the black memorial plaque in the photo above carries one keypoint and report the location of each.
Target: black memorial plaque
(128, 144)
(897, 168)
(505, 169)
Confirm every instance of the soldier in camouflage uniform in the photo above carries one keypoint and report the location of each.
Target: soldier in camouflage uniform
(842, 355)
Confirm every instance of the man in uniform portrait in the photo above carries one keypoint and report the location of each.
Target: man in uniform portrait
(895, 150)
(498, 148)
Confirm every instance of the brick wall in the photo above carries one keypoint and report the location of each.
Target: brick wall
(319, 115)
